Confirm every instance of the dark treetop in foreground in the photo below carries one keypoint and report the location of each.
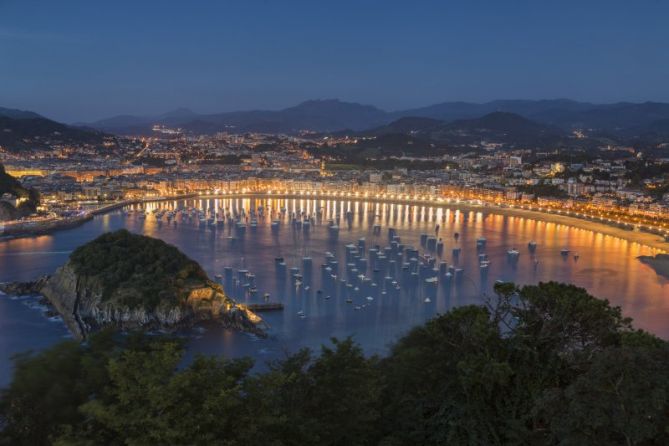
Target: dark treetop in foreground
(541, 365)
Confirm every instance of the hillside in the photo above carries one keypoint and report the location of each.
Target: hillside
(407, 125)
(27, 130)
(316, 115)
(12, 186)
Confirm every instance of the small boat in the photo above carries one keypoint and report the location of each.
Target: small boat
(300, 313)
(532, 246)
(370, 298)
(349, 300)
(564, 252)
(576, 256)
(427, 300)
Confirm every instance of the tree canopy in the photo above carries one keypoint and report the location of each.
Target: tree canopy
(145, 271)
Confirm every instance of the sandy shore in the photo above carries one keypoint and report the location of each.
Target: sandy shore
(643, 238)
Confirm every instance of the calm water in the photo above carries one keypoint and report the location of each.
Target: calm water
(607, 267)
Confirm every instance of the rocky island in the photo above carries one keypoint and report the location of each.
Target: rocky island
(660, 263)
(129, 281)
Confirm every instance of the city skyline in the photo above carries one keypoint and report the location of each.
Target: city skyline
(83, 62)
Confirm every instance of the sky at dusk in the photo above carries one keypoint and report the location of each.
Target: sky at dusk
(84, 60)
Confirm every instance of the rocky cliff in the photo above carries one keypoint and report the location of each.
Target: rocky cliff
(79, 300)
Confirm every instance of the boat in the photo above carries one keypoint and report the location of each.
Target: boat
(564, 252)
(349, 300)
(576, 256)
(427, 300)
(513, 253)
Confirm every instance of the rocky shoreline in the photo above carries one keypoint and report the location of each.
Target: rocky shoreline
(78, 302)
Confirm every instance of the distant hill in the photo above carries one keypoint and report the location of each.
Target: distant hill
(620, 118)
(316, 115)
(21, 130)
(408, 125)
(501, 126)
(332, 115)
(451, 111)
(18, 114)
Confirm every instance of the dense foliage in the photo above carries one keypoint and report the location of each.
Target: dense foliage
(540, 365)
(140, 270)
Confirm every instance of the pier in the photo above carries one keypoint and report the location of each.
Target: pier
(269, 306)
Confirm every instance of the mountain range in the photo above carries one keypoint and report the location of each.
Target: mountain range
(505, 121)
(332, 115)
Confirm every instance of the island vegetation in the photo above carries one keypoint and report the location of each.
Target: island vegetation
(537, 365)
(140, 270)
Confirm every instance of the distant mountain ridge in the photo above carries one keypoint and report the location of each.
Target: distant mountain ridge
(24, 130)
(333, 115)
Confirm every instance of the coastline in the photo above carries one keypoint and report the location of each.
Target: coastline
(651, 240)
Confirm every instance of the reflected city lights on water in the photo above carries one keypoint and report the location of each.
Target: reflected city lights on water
(238, 233)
